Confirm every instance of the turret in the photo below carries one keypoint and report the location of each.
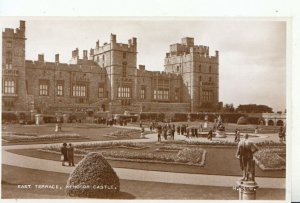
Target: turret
(56, 58)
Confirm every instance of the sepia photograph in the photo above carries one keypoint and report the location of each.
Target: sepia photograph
(144, 108)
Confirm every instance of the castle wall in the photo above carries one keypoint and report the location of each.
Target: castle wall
(190, 81)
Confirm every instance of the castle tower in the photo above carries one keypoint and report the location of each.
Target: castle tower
(200, 73)
(14, 93)
(120, 62)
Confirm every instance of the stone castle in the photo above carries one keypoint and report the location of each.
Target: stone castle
(107, 79)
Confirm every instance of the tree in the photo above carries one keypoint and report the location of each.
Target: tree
(254, 108)
(228, 108)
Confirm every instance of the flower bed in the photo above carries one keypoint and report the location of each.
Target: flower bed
(101, 145)
(271, 158)
(26, 138)
(182, 155)
(18, 134)
(219, 142)
(124, 133)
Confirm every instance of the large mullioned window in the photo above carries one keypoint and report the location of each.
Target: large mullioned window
(79, 91)
(60, 90)
(9, 87)
(207, 96)
(44, 87)
(161, 94)
(124, 92)
(143, 92)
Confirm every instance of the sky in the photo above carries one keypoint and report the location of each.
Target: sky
(252, 52)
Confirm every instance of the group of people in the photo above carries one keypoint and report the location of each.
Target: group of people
(165, 131)
(67, 154)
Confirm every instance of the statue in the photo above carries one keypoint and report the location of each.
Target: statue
(220, 128)
(244, 153)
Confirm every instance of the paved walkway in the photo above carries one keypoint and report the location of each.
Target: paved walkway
(12, 159)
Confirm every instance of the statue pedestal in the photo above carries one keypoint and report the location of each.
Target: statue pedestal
(247, 190)
(58, 127)
(220, 134)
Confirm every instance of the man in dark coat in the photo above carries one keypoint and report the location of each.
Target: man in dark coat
(244, 153)
(210, 134)
(71, 155)
(159, 132)
(64, 153)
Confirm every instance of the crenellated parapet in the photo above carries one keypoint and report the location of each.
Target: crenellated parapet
(15, 33)
(29, 64)
(131, 46)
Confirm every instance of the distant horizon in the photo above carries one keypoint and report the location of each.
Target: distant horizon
(252, 68)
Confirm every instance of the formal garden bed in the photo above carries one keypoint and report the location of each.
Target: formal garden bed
(124, 133)
(271, 158)
(138, 152)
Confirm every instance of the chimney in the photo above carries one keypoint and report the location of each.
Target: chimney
(134, 41)
(85, 54)
(142, 67)
(22, 25)
(56, 58)
(113, 37)
(129, 42)
(41, 57)
(75, 53)
(91, 52)
(217, 54)
(97, 44)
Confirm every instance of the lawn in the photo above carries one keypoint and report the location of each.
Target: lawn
(85, 131)
(14, 176)
(218, 161)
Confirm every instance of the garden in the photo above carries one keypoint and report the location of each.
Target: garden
(140, 152)
(15, 134)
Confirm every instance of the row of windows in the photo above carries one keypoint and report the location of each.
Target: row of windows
(200, 69)
(77, 90)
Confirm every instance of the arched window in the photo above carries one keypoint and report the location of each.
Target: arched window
(200, 68)
(209, 69)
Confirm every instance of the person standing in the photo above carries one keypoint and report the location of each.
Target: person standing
(244, 153)
(159, 132)
(173, 132)
(237, 136)
(151, 127)
(210, 134)
(71, 155)
(64, 153)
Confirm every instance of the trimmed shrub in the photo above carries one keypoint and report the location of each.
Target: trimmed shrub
(242, 121)
(93, 178)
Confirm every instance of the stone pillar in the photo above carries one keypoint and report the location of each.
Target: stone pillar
(39, 119)
(58, 127)
(247, 190)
